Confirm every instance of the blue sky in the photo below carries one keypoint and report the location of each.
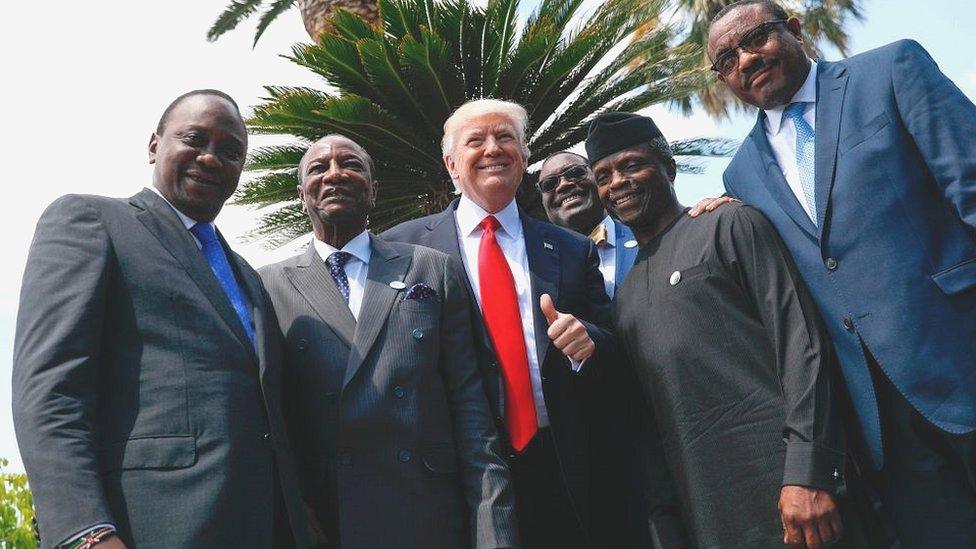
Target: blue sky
(84, 83)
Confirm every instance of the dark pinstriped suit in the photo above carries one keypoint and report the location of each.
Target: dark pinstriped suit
(392, 430)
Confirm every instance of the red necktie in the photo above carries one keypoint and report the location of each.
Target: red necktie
(499, 306)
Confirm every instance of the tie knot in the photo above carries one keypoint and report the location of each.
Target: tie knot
(204, 232)
(489, 223)
(795, 110)
(338, 259)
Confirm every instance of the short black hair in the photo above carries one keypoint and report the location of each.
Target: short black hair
(161, 126)
(774, 9)
(560, 153)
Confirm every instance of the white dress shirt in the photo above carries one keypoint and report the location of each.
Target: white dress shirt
(188, 222)
(356, 268)
(608, 256)
(468, 217)
(781, 133)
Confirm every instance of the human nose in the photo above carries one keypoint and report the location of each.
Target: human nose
(208, 157)
(746, 60)
(491, 146)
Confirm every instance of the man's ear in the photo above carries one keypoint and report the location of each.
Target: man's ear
(795, 26)
(372, 195)
(301, 196)
(450, 165)
(153, 143)
(672, 168)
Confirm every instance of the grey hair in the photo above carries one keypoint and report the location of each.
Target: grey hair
(480, 107)
(370, 165)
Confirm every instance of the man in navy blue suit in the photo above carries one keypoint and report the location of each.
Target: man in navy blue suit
(571, 200)
(540, 316)
(867, 167)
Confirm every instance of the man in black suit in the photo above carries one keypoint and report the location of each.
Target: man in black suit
(383, 395)
(540, 318)
(146, 371)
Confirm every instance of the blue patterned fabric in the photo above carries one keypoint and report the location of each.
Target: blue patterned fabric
(214, 252)
(804, 154)
(337, 263)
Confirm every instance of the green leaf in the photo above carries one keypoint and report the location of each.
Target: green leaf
(276, 9)
(236, 12)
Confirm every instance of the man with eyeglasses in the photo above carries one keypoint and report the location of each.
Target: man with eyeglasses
(867, 168)
(570, 199)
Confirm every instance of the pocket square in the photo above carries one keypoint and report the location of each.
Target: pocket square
(420, 291)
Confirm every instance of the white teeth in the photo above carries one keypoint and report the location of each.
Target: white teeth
(494, 167)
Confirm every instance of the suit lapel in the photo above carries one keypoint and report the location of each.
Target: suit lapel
(160, 219)
(624, 256)
(443, 236)
(385, 266)
(543, 256)
(769, 171)
(831, 87)
(311, 278)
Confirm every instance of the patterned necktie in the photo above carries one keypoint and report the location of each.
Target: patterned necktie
(499, 306)
(337, 267)
(214, 252)
(599, 235)
(804, 154)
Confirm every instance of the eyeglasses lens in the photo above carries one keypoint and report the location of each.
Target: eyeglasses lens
(572, 173)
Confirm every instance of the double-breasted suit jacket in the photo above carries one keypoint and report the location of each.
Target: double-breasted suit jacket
(392, 429)
(138, 398)
(565, 266)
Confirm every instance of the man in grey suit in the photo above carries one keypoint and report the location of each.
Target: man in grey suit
(392, 429)
(146, 370)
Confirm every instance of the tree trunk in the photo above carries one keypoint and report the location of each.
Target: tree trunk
(315, 13)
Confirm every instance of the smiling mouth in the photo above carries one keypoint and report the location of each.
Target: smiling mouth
(573, 198)
(493, 167)
(762, 72)
(625, 200)
(203, 179)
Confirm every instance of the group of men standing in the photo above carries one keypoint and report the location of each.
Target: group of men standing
(462, 380)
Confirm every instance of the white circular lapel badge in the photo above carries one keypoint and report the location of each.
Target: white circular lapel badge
(397, 285)
(630, 244)
(675, 278)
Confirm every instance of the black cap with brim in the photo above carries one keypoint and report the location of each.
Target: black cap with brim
(611, 132)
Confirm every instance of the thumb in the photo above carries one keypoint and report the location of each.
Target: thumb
(548, 308)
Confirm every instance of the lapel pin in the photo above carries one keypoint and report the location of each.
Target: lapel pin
(547, 245)
(675, 278)
(630, 244)
(397, 285)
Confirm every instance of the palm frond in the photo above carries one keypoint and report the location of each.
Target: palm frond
(272, 13)
(237, 11)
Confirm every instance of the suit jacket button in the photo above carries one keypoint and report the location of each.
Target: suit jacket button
(831, 264)
(302, 344)
(266, 437)
(404, 456)
(849, 323)
(417, 333)
(399, 392)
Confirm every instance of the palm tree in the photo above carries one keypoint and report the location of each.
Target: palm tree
(315, 14)
(397, 82)
(823, 25)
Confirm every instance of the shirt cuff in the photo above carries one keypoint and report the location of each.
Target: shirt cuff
(576, 366)
(814, 467)
(84, 531)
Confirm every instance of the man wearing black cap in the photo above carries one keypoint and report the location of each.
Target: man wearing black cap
(729, 350)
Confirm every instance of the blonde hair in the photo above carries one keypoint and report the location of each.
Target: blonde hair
(480, 107)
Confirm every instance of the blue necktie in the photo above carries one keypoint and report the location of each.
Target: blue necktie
(805, 137)
(337, 263)
(214, 253)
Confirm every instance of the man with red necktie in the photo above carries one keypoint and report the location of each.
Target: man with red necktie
(540, 334)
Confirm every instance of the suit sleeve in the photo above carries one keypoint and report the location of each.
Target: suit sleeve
(942, 122)
(752, 251)
(486, 478)
(56, 367)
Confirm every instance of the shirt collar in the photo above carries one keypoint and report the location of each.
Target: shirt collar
(806, 94)
(608, 222)
(469, 216)
(188, 222)
(358, 247)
